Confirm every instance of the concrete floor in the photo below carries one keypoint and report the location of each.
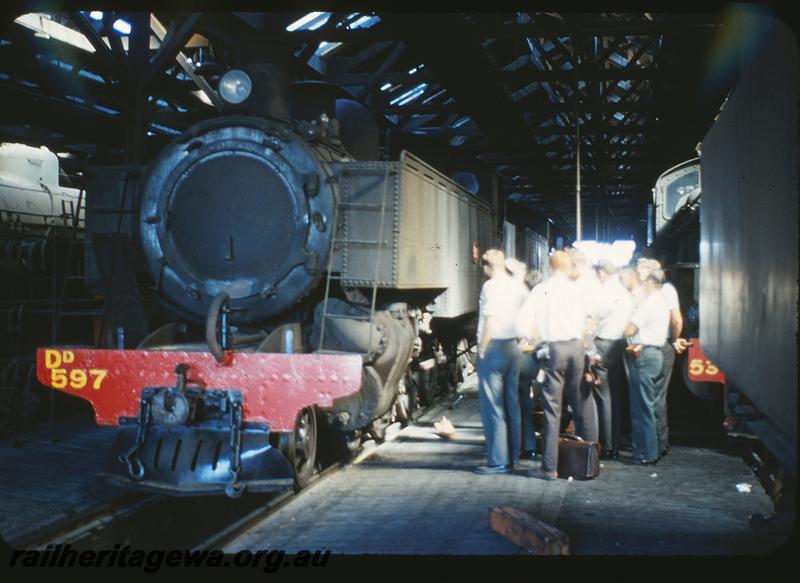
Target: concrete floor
(417, 494)
(44, 484)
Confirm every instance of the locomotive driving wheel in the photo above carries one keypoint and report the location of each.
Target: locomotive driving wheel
(467, 357)
(301, 449)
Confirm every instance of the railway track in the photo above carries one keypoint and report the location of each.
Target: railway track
(83, 525)
(151, 521)
(220, 539)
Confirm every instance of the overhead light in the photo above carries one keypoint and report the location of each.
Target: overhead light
(96, 15)
(235, 86)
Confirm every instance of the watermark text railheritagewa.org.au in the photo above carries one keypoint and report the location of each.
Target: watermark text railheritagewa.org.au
(151, 561)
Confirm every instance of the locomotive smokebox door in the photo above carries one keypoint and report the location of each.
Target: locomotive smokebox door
(240, 205)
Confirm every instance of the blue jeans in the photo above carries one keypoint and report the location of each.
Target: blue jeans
(498, 383)
(644, 379)
(668, 352)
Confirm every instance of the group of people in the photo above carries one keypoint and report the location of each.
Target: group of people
(574, 337)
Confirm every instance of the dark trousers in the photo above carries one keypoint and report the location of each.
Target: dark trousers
(498, 383)
(644, 378)
(563, 373)
(662, 425)
(608, 395)
(528, 370)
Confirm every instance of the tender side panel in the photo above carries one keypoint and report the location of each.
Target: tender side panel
(748, 250)
(467, 223)
(534, 250)
(430, 226)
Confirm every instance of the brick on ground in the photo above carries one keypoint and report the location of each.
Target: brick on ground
(526, 531)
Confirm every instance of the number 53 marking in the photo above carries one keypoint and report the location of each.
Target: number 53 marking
(697, 367)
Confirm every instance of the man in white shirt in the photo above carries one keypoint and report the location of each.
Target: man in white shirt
(672, 345)
(587, 279)
(498, 364)
(528, 371)
(554, 312)
(647, 331)
(614, 308)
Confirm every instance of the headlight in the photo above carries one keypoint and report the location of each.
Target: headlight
(235, 86)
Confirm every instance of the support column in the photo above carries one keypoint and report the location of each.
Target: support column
(578, 234)
(139, 61)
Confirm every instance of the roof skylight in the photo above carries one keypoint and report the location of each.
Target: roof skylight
(311, 21)
(409, 95)
(325, 47)
(365, 21)
(122, 26)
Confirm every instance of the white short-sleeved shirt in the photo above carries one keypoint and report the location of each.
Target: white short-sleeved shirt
(501, 298)
(637, 295)
(667, 290)
(553, 311)
(615, 309)
(651, 317)
(670, 296)
(591, 288)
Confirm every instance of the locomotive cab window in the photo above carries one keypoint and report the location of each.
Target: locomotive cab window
(678, 191)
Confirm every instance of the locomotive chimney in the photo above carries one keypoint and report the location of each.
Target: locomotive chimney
(269, 66)
(358, 128)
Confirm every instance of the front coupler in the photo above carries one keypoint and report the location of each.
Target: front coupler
(193, 442)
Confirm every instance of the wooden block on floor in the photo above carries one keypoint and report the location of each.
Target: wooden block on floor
(525, 531)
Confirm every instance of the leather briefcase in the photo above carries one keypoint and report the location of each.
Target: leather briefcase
(577, 458)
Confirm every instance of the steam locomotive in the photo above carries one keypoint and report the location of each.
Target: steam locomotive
(298, 291)
(676, 218)
(41, 230)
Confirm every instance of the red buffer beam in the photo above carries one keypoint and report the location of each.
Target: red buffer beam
(275, 387)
